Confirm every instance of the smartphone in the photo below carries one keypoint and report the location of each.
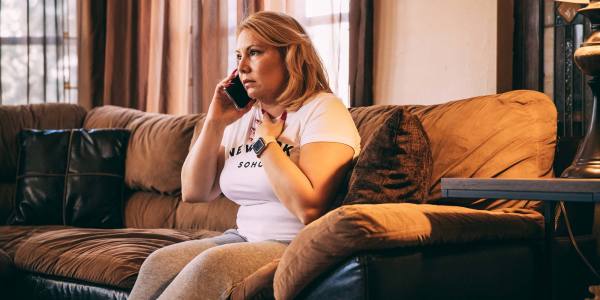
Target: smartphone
(237, 93)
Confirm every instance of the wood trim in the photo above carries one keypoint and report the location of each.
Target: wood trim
(504, 56)
(528, 63)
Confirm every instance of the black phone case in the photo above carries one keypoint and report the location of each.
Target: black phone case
(237, 93)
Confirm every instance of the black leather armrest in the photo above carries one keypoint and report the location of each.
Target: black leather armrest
(35, 286)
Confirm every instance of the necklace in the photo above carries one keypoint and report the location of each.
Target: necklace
(256, 120)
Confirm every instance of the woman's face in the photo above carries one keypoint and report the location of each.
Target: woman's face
(261, 68)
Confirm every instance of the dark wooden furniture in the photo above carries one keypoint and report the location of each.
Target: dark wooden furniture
(548, 190)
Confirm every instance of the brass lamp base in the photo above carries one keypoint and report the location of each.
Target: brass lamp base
(587, 160)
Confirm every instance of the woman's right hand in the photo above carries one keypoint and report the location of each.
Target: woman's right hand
(221, 108)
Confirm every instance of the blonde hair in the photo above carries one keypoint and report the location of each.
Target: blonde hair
(306, 74)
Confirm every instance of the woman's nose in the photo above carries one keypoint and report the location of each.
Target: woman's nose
(243, 65)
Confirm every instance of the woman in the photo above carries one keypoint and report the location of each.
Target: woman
(308, 141)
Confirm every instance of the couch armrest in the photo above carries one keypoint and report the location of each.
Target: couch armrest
(7, 271)
(7, 195)
(348, 229)
(452, 271)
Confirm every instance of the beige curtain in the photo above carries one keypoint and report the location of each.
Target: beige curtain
(135, 54)
(167, 56)
(208, 52)
(213, 44)
(361, 52)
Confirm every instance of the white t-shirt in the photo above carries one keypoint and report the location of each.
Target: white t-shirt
(261, 215)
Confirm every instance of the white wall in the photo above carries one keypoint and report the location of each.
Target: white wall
(433, 51)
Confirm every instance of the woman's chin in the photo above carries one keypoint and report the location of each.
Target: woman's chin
(253, 94)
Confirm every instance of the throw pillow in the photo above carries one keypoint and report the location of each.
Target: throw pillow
(395, 163)
(71, 177)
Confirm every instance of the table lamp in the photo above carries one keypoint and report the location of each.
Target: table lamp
(586, 163)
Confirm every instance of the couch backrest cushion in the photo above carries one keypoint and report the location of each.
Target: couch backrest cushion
(510, 135)
(151, 210)
(157, 147)
(13, 119)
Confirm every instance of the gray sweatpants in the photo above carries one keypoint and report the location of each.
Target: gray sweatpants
(202, 269)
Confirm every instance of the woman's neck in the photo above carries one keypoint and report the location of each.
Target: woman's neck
(275, 110)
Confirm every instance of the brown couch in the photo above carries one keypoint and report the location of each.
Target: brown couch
(467, 249)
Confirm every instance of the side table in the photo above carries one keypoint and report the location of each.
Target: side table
(548, 190)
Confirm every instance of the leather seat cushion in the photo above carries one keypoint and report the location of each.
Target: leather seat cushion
(103, 256)
(352, 228)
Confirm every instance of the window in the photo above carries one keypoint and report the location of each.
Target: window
(38, 51)
(327, 23)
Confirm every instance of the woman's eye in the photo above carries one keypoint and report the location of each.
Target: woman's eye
(253, 52)
(238, 57)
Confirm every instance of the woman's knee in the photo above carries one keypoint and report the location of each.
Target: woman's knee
(239, 258)
(176, 256)
(211, 261)
(159, 257)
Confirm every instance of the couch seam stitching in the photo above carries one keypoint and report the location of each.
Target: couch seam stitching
(64, 197)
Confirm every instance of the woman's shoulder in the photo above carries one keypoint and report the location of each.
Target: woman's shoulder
(323, 100)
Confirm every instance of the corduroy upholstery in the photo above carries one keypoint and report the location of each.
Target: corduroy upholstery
(509, 135)
(107, 257)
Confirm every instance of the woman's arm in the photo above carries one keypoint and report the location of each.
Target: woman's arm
(204, 163)
(306, 188)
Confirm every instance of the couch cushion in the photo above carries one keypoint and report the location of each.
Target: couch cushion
(6, 267)
(11, 237)
(13, 119)
(510, 135)
(157, 148)
(7, 199)
(100, 256)
(395, 161)
(71, 177)
(352, 228)
(219, 214)
(151, 210)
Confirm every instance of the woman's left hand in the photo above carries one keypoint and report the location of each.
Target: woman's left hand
(268, 127)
